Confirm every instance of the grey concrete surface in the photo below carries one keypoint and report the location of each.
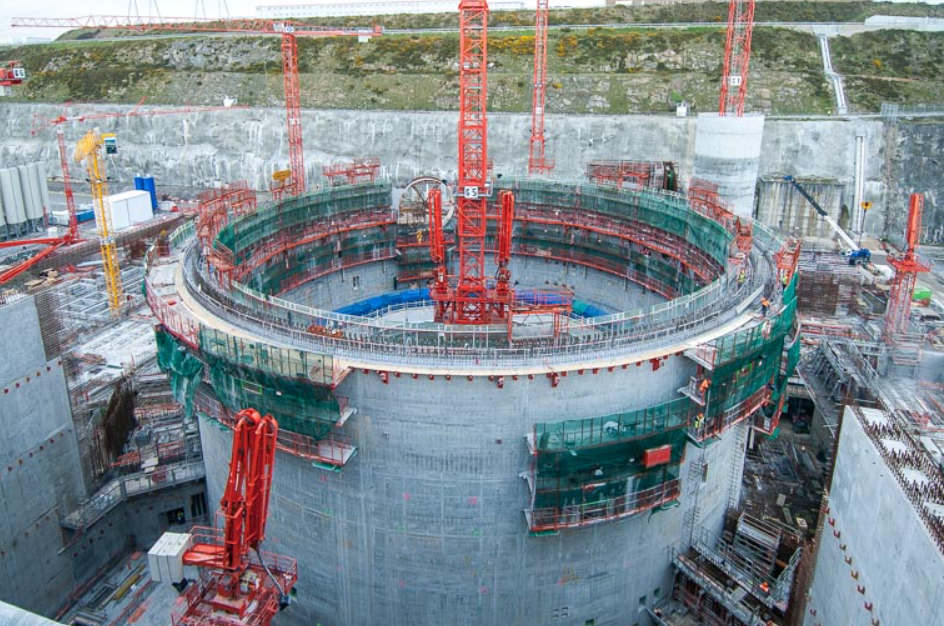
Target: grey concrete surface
(425, 525)
(200, 149)
(41, 480)
(881, 546)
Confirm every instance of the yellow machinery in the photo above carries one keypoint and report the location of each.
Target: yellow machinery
(89, 149)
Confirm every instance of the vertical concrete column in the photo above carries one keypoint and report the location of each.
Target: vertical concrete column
(858, 221)
(727, 153)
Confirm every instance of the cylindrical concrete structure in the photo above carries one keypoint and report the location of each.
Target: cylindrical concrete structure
(43, 186)
(727, 153)
(12, 197)
(31, 198)
(439, 474)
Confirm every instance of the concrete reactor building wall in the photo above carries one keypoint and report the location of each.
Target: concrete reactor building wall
(426, 525)
(434, 473)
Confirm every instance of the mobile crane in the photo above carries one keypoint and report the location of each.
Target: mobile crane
(858, 254)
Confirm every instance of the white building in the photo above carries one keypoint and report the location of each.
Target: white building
(370, 8)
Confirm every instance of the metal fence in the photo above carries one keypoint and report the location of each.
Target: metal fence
(281, 323)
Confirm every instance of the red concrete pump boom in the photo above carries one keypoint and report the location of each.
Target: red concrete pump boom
(239, 587)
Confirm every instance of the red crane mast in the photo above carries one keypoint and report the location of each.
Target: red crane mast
(537, 162)
(293, 113)
(470, 300)
(907, 266)
(475, 299)
(234, 587)
(737, 57)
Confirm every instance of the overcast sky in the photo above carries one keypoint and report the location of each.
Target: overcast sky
(63, 8)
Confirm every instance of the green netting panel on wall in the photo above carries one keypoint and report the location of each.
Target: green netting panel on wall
(742, 344)
(242, 235)
(284, 362)
(789, 294)
(297, 405)
(604, 472)
(738, 380)
(315, 259)
(609, 429)
(182, 368)
(602, 491)
(669, 213)
(615, 464)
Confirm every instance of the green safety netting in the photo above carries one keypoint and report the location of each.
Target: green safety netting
(608, 253)
(668, 213)
(597, 459)
(313, 259)
(610, 429)
(594, 474)
(284, 362)
(742, 344)
(740, 378)
(242, 235)
(297, 405)
(749, 359)
(183, 369)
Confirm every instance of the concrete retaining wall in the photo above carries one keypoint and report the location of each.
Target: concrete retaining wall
(197, 150)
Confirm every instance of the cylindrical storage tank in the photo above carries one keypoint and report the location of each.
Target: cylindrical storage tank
(3, 219)
(151, 188)
(31, 198)
(12, 197)
(727, 153)
(44, 186)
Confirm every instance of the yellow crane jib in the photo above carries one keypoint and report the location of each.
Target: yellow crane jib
(89, 150)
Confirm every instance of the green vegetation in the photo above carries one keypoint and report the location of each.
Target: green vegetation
(590, 70)
(595, 70)
(899, 66)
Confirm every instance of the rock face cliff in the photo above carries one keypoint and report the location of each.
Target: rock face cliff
(199, 150)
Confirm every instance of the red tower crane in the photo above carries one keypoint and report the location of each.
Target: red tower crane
(473, 299)
(737, 57)
(537, 162)
(287, 30)
(907, 266)
(235, 586)
(71, 235)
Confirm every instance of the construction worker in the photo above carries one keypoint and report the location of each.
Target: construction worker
(764, 306)
(703, 387)
(742, 276)
(419, 236)
(699, 421)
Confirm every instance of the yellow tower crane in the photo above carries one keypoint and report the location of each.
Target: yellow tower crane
(89, 149)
